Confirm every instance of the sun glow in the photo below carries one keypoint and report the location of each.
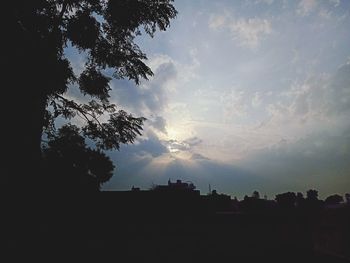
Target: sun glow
(174, 133)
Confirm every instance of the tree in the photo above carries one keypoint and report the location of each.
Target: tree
(300, 200)
(38, 73)
(256, 195)
(312, 195)
(74, 165)
(334, 199)
(286, 200)
(312, 203)
(347, 198)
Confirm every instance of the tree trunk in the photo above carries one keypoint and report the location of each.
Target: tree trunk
(26, 103)
(26, 96)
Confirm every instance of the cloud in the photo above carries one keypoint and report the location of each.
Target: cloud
(268, 2)
(193, 141)
(187, 145)
(199, 157)
(256, 120)
(150, 146)
(335, 2)
(234, 105)
(249, 32)
(175, 146)
(149, 162)
(217, 21)
(158, 123)
(150, 97)
(305, 7)
(339, 91)
(213, 102)
(256, 100)
(319, 160)
(319, 102)
(326, 14)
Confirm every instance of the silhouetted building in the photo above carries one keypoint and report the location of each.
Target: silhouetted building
(218, 202)
(178, 186)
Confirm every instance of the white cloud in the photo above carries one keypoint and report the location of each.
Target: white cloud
(250, 31)
(256, 100)
(217, 21)
(320, 103)
(306, 6)
(234, 105)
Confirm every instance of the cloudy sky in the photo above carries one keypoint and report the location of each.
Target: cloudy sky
(247, 95)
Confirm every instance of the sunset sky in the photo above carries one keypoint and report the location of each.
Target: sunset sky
(247, 95)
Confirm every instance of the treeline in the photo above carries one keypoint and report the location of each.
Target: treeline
(283, 201)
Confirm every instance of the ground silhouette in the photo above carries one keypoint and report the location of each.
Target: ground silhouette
(174, 222)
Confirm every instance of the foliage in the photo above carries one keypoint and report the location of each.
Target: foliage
(312, 195)
(104, 32)
(256, 195)
(334, 199)
(286, 200)
(73, 163)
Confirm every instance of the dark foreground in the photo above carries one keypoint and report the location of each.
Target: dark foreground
(150, 229)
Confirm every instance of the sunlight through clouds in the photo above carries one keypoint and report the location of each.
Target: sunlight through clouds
(239, 85)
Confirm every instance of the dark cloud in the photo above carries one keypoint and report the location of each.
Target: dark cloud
(222, 177)
(135, 167)
(150, 97)
(158, 123)
(132, 159)
(320, 161)
(151, 146)
(199, 157)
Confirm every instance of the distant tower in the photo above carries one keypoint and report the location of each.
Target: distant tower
(209, 189)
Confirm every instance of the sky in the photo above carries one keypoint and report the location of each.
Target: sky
(246, 95)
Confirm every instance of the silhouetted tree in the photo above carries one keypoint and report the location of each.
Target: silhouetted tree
(334, 199)
(312, 195)
(286, 200)
(300, 200)
(75, 166)
(39, 73)
(253, 203)
(312, 203)
(256, 195)
(347, 198)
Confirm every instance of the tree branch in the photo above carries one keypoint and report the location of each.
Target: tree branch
(64, 7)
(85, 114)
